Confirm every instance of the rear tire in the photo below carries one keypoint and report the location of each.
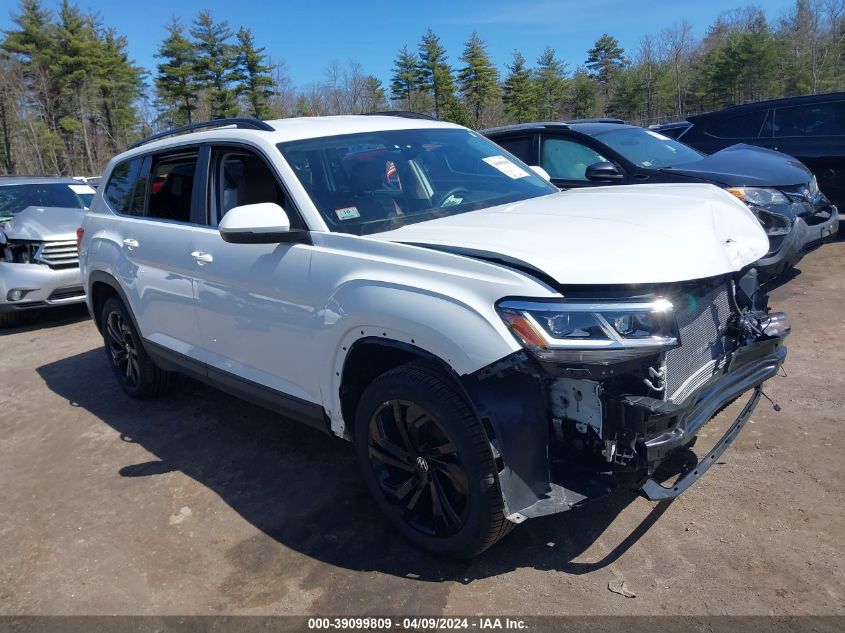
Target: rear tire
(136, 372)
(427, 462)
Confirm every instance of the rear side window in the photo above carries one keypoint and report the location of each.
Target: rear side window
(519, 147)
(121, 186)
(742, 126)
(821, 119)
(171, 186)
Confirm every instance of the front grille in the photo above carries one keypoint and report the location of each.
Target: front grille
(702, 318)
(66, 293)
(62, 254)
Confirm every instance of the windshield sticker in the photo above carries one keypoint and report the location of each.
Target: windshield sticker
(347, 213)
(506, 167)
(659, 136)
(82, 189)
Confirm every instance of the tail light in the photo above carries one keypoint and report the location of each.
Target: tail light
(79, 233)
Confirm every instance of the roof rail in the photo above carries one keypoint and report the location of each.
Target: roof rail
(239, 122)
(405, 114)
(600, 119)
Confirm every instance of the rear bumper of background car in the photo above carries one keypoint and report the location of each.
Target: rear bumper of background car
(42, 286)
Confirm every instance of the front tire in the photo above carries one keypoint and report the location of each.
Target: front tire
(427, 462)
(136, 372)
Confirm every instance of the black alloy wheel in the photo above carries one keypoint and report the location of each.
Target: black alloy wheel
(139, 376)
(427, 461)
(418, 468)
(123, 349)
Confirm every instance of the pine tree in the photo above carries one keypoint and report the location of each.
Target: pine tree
(215, 64)
(518, 91)
(550, 84)
(176, 82)
(479, 79)
(120, 83)
(582, 95)
(435, 73)
(406, 78)
(604, 59)
(254, 75)
(374, 97)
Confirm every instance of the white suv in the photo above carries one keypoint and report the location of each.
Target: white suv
(496, 349)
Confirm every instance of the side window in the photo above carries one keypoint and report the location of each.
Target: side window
(741, 126)
(121, 185)
(568, 160)
(821, 119)
(171, 186)
(241, 178)
(519, 147)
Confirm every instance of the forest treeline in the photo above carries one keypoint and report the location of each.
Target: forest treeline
(71, 96)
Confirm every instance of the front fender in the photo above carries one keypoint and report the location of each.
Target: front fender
(465, 335)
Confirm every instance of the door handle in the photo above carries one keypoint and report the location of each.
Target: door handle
(130, 243)
(202, 258)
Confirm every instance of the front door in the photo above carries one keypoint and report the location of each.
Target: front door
(253, 305)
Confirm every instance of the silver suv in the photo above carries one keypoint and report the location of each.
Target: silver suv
(496, 349)
(39, 264)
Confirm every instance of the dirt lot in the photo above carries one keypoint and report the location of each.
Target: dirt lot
(200, 504)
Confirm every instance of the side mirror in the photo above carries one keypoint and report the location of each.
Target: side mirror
(541, 172)
(603, 172)
(262, 223)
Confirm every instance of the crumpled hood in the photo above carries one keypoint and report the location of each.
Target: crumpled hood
(606, 235)
(44, 224)
(744, 165)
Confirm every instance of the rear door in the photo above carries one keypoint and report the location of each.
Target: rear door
(156, 197)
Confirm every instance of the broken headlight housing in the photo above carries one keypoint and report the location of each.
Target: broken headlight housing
(771, 206)
(594, 333)
(18, 251)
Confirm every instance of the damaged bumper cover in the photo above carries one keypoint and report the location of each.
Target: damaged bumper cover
(510, 399)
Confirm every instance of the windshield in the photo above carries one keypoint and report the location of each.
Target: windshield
(378, 181)
(16, 198)
(649, 149)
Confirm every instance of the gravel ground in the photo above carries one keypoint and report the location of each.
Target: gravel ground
(202, 504)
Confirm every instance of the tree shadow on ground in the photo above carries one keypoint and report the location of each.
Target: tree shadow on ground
(303, 489)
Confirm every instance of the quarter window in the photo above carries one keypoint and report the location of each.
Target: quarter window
(568, 160)
(121, 186)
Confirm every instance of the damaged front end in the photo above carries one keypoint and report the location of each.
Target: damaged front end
(612, 384)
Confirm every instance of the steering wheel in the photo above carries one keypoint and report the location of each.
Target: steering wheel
(441, 199)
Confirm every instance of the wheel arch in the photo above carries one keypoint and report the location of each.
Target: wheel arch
(102, 286)
(369, 357)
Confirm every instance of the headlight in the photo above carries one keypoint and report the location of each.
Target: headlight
(761, 196)
(601, 333)
(756, 198)
(813, 188)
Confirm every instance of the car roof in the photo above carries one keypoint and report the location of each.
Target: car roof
(772, 103)
(37, 180)
(584, 126)
(295, 129)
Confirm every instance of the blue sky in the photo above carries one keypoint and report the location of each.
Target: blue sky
(309, 34)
